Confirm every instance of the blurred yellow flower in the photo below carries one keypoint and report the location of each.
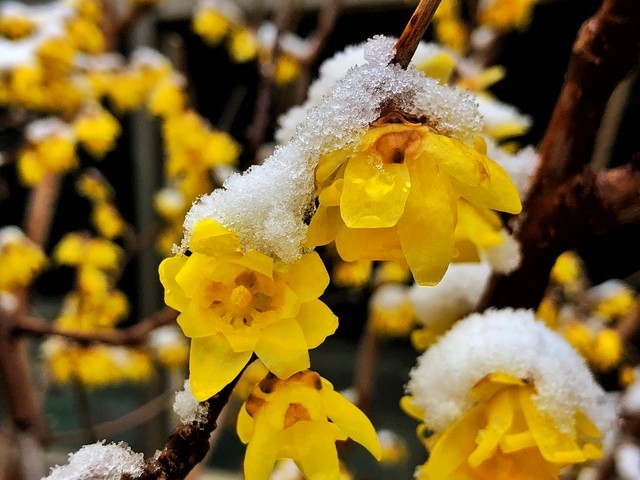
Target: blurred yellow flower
(21, 259)
(211, 25)
(234, 304)
(83, 251)
(301, 418)
(107, 220)
(97, 130)
(16, 27)
(243, 45)
(506, 15)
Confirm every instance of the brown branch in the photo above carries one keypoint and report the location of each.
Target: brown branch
(414, 31)
(130, 336)
(187, 444)
(604, 53)
(40, 209)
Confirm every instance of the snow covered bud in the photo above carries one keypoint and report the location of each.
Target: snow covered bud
(235, 303)
(505, 395)
(394, 196)
(390, 312)
(301, 418)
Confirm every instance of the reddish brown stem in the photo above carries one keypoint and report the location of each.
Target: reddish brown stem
(414, 31)
(563, 204)
(134, 335)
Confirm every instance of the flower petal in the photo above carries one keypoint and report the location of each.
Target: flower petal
(368, 244)
(174, 296)
(307, 277)
(213, 365)
(199, 322)
(350, 419)
(283, 348)
(317, 458)
(427, 226)
(212, 239)
(317, 322)
(244, 425)
(324, 226)
(262, 451)
(374, 193)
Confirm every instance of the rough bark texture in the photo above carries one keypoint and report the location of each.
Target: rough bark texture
(567, 203)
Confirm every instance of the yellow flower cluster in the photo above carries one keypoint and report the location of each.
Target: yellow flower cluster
(94, 305)
(105, 216)
(21, 259)
(218, 21)
(587, 315)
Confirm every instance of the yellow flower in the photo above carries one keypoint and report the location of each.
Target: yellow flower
(169, 346)
(506, 14)
(16, 27)
(235, 303)
(354, 274)
(395, 197)
(394, 448)
(56, 56)
(251, 376)
(505, 436)
(107, 220)
(97, 130)
(477, 229)
(243, 45)
(21, 259)
(127, 90)
(168, 98)
(287, 69)
(452, 33)
(92, 186)
(392, 272)
(83, 251)
(390, 311)
(55, 153)
(607, 349)
(301, 418)
(220, 149)
(567, 269)
(211, 25)
(86, 36)
(616, 305)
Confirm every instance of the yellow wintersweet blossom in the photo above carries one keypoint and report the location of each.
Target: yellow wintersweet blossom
(211, 25)
(602, 349)
(77, 249)
(394, 196)
(16, 27)
(107, 220)
(97, 130)
(354, 274)
(504, 435)
(243, 45)
(53, 154)
(567, 269)
(235, 303)
(94, 187)
(168, 97)
(21, 259)
(506, 15)
(616, 305)
(86, 36)
(287, 69)
(391, 314)
(300, 417)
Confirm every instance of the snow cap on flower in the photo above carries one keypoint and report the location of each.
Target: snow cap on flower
(281, 190)
(516, 343)
(100, 462)
(455, 296)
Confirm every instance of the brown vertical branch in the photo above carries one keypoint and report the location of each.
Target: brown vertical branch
(414, 31)
(40, 209)
(366, 368)
(604, 53)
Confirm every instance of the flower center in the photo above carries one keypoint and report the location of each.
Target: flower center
(241, 296)
(393, 146)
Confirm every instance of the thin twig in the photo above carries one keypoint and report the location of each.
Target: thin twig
(131, 336)
(414, 31)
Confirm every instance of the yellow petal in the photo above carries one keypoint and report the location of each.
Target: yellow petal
(307, 277)
(242, 339)
(499, 413)
(454, 446)
(498, 193)
(408, 406)
(213, 365)
(440, 66)
(256, 261)
(262, 451)
(317, 322)
(283, 348)
(174, 296)
(316, 453)
(324, 226)
(427, 226)
(198, 322)
(244, 425)
(374, 193)
(211, 238)
(476, 226)
(351, 420)
(368, 244)
(329, 163)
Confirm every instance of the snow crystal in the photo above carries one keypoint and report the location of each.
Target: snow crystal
(267, 204)
(497, 113)
(47, 127)
(99, 462)
(389, 297)
(520, 166)
(505, 257)
(513, 342)
(454, 297)
(11, 234)
(188, 408)
(227, 8)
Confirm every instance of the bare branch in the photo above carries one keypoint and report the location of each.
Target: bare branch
(414, 31)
